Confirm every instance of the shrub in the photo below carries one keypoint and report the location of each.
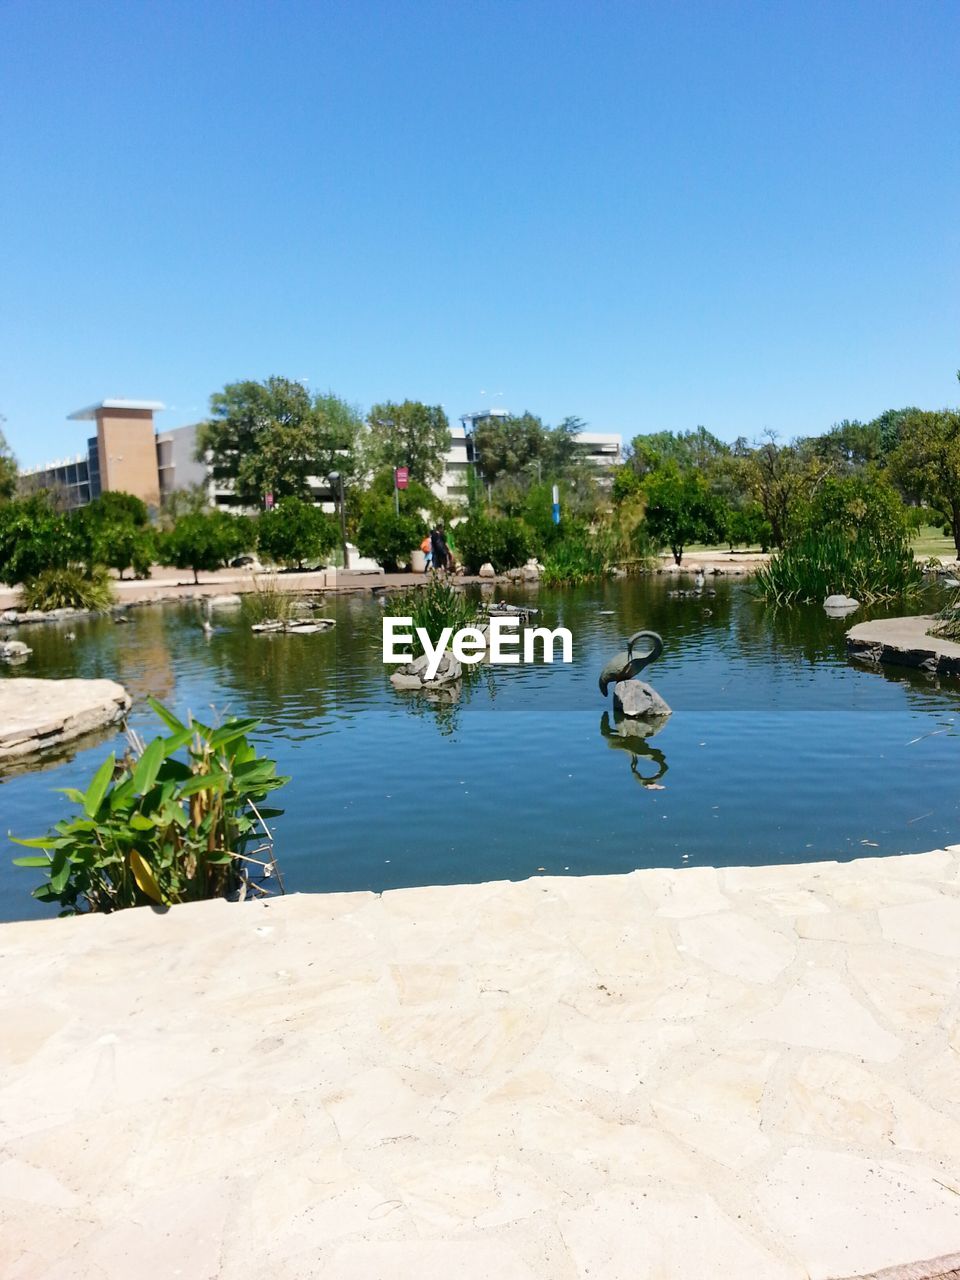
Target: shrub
(747, 527)
(33, 537)
(389, 538)
(433, 606)
(170, 822)
(295, 531)
(505, 543)
(68, 588)
(850, 538)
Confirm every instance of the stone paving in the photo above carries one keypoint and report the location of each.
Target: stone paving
(750, 1074)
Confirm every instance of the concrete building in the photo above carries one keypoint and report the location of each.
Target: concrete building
(128, 454)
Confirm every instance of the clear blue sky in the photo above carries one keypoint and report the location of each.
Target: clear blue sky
(745, 215)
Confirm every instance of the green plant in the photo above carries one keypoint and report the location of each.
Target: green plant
(170, 822)
(504, 543)
(268, 602)
(69, 588)
(579, 557)
(433, 607)
(818, 563)
(682, 508)
(205, 540)
(113, 530)
(387, 537)
(33, 537)
(295, 531)
(947, 626)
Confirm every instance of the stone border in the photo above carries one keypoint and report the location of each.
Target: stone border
(904, 642)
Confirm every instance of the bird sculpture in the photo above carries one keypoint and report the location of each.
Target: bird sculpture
(626, 664)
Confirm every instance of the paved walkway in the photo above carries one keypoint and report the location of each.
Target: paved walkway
(751, 1074)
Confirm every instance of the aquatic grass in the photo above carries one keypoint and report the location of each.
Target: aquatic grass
(578, 557)
(433, 607)
(947, 626)
(818, 564)
(268, 602)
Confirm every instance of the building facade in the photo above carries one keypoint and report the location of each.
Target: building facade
(128, 454)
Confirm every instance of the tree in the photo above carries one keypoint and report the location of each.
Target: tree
(114, 530)
(187, 501)
(508, 444)
(205, 541)
(33, 537)
(780, 478)
(8, 468)
(295, 531)
(698, 449)
(926, 462)
(411, 435)
(271, 437)
(682, 509)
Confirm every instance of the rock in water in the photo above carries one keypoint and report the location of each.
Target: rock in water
(639, 701)
(840, 606)
(13, 650)
(487, 571)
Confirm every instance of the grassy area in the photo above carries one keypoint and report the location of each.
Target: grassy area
(930, 541)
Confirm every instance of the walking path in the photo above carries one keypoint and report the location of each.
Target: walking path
(745, 1074)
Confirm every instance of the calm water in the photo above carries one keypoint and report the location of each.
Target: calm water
(779, 749)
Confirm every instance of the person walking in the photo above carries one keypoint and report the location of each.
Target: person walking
(438, 547)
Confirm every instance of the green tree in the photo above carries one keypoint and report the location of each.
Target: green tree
(205, 541)
(508, 444)
(114, 530)
(8, 468)
(926, 462)
(698, 449)
(190, 500)
(682, 508)
(271, 437)
(295, 531)
(412, 435)
(33, 537)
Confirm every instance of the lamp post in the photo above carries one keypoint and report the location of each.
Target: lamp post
(336, 478)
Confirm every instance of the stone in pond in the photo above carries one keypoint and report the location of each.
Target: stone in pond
(636, 700)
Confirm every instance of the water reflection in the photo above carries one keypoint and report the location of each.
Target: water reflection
(633, 736)
(779, 748)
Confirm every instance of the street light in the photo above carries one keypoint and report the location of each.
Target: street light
(336, 477)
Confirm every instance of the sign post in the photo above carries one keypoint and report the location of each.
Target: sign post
(556, 504)
(401, 478)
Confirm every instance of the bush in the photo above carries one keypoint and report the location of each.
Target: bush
(389, 538)
(168, 823)
(849, 538)
(294, 531)
(747, 527)
(33, 537)
(68, 588)
(433, 606)
(506, 543)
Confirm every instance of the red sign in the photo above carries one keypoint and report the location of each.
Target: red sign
(403, 477)
(268, 500)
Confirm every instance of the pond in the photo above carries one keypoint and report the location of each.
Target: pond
(779, 748)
